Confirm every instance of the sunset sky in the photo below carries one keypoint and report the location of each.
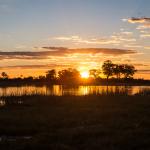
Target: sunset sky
(37, 35)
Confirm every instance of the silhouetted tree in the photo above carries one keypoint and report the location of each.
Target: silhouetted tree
(4, 75)
(69, 76)
(21, 76)
(108, 68)
(129, 71)
(29, 79)
(118, 70)
(94, 73)
(51, 75)
(41, 78)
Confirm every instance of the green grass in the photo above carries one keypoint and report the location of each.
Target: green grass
(76, 122)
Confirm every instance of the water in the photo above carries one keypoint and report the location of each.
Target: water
(60, 90)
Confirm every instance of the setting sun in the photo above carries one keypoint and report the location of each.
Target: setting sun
(85, 74)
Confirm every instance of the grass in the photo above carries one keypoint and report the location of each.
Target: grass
(75, 122)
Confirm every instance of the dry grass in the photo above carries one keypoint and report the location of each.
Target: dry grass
(75, 122)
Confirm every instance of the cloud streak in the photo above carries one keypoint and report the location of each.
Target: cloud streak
(143, 21)
(46, 66)
(77, 39)
(145, 35)
(60, 51)
(139, 20)
(113, 40)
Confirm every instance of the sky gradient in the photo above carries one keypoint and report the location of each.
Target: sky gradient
(37, 35)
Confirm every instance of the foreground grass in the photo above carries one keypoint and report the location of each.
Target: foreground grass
(74, 123)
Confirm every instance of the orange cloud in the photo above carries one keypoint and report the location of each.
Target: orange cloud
(138, 20)
(60, 51)
(145, 35)
(145, 21)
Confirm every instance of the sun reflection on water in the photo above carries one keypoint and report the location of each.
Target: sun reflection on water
(60, 90)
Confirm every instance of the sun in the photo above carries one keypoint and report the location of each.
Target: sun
(85, 74)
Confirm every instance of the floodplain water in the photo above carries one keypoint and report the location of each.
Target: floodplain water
(60, 90)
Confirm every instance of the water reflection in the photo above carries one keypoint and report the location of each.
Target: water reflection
(60, 90)
(2, 103)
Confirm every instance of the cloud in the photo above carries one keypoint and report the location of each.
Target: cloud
(132, 46)
(143, 21)
(77, 39)
(63, 38)
(140, 65)
(126, 33)
(46, 66)
(95, 51)
(123, 39)
(114, 39)
(147, 71)
(138, 20)
(61, 52)
(147, 47)
(145, 35)
(145, 26)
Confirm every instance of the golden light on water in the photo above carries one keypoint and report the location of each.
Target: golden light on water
(60, 90)
(85, 74)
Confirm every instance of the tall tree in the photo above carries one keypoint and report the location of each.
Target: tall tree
(108, 68)
(4, 75)
(129, 71)
(51, 75)
(69, 76)
(118, 70)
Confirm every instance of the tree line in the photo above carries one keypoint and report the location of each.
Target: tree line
(118, 70)
(70, 75)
